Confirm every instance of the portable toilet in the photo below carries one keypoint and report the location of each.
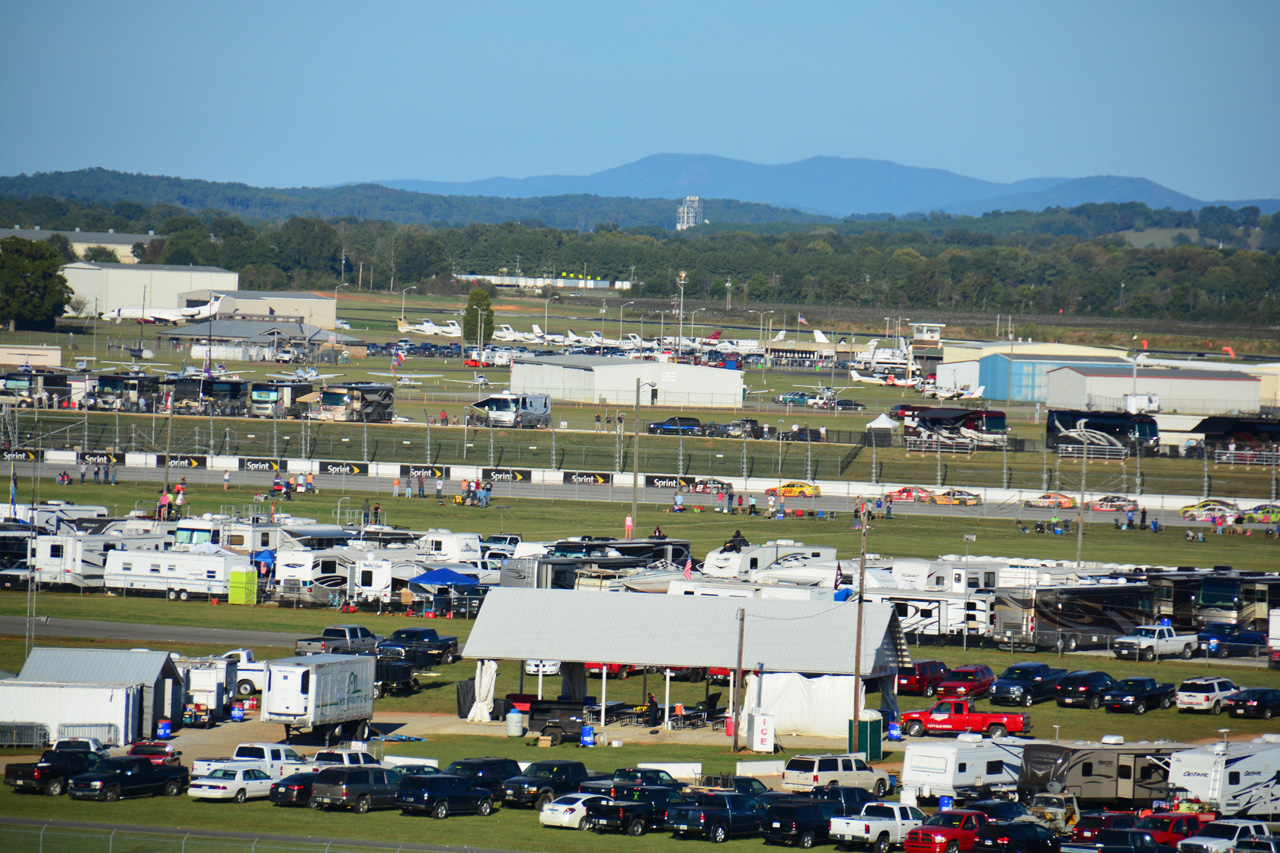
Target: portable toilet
(242, 586)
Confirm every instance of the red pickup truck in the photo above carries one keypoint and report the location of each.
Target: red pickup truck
(1171, 827)
(958, 715)
(946, 832)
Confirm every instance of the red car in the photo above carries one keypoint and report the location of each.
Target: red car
(950, 830)
(475, 362)
(967, 682)
(910, 493)
(616, 670)
(1171, 827)
(159, 753)
(921, 678)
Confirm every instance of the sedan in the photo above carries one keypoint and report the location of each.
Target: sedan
(1112, 503)
(1051, 500)
(567, 811)
(227, 784)
(795, 490)
(293, 790)
(1261, 702)
(1263, 513)
(544, 667)
(955, 497)
(849, 406)
(1207, 510)
(910, 493)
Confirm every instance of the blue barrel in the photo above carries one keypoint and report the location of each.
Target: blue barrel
(237, 712)
(895, 731)
(1166, 622)
(588, 736)
(944, 803)
(164, 729)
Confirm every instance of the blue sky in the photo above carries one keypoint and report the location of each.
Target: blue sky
(276, 93)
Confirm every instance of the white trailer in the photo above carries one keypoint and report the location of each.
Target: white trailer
(742, 561)
(52, 514)
(176, 574)
(79, 559)
(1273, 638)
(441, 544)
(533, 410)
(1238, 779)
(210, 681)
(329, 694)
(110, 712)
(967, 767)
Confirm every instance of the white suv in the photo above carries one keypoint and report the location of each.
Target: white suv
(1221, 835)
(1205, 694)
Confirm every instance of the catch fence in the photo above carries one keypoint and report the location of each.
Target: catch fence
(49, 838)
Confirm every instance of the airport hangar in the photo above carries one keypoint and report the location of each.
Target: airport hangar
(597, 380)
(105, 287)
(1101, 387)
(300, 306)
(121, 244)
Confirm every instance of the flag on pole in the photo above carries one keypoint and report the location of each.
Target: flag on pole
(13, 490)
(839, 576)
(801, 320)
(688, 569)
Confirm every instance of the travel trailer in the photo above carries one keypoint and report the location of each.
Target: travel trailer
(1109, 772)
(1237, 779)
(740, 562)
(727, 588)
(176, 575)
(330, 694)
(970, 766)
(939, 614)
(79, 559)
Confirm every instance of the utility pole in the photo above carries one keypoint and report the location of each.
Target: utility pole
(737, 687)
(857, 649)
(1084, 467)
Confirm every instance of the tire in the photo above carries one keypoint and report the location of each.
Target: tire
(718, 834)
(1217, 708)
(1072, 644)
(240, 796)
(636, 828)
(997, 730)
(361, 805)
(377, 691)
(541, 802)
(441, 811)
(361, 730)
(112, 795)
(1266, 713)
(1166, 703)
(915, 728)
(586, 824)
(449, 658)
(929, 690)
(485, 808)
(1148, 654)
(804, 842)
(1185, 654)
(55, 788)
(555, 737)
(1028, 700)
(244, 688)
(183, 595)
(1140, 708)
(1095, 702)
(882, 844)
(880, 789)
(172, 788)
(953, 847)
(315, 804)
(173, 595)
(1222, 652)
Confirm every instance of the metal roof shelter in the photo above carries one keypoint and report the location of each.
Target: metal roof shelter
(162, 682)
(257, 332)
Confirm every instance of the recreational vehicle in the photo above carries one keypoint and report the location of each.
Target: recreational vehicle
(968, 767)
(278, 399)
(1237, 779)
(726, 588)
(1100, 429)
(79, 559)
(983, 428)
(509, 410)
(127, 392)
(177, 575)
(1078, 616)
(205, 395)
(1237, 598)
(741, 561)
(362, 402)
(939, 614)
(1105, 773)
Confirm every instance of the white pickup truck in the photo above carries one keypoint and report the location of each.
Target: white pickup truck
(880, 825)
(344, 758)
(251, 674)
(275, 760)
(1148, 642)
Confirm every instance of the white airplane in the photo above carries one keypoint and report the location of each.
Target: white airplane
(408, 378)
(481, 381)
(506, 334)
(304, 374)
(168, 316)
(571, 338)
(450, 329)
(873, 379)
(601, 341)
(546, 337)
(192, 372)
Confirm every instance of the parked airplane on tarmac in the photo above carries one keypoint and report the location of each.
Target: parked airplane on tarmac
(170, 316)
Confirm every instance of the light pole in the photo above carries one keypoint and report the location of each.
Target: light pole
(402, 295)
(620, 310)
(546, 308)
(335, 294)
(680, 280)
(635, 458)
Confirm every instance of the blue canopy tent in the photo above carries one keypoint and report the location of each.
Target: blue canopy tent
(444, 577)
(265, 556)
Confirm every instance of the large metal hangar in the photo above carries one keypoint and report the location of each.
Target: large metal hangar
(145, 286)
(612, 382)
(312, 308)
(1186, 392)
(1023, 377)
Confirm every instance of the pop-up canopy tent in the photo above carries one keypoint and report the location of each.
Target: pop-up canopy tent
(444, 577)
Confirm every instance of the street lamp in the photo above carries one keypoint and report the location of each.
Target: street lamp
(680, 280)
(693, 321)
(402, 295)
(620, 309)
(335, 293)
(635, 457)
(546, 307)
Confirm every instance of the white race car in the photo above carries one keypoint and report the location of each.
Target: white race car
(227, 784)
(567, 812)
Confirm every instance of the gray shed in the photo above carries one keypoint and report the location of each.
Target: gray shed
(163, 688)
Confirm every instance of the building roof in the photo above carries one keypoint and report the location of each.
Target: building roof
(257, 294)
(97, 666)
(676, 630)
(1126, 371)
(150, 268)
(579, 362)
(257, 332)
(77, 236)
(1063, 359)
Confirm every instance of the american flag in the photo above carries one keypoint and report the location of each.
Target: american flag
(688, 569)
(399, 357)
(839, 576)
(801, 320)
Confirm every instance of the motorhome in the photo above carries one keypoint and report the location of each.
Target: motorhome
(255, 535)
(741, 561)
(79, 559)
(1109, 772)
(798, 569)
(1081, 615)
(361, 402)
(442, 544)
(131, 391)
(53, 515)
(205, 395)
(939, 614)
(508, 410)
(1238, 779)
(1100, 429)
(278, 399)
(176, 575)
(983, 428)
(310, 578)
(970, 766)
(1237, 598)
(28, 388)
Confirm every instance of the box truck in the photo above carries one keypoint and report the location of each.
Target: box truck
(332, 695)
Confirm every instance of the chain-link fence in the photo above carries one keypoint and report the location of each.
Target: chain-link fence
(52, 839)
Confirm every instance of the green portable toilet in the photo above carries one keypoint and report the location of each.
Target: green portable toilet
(870, 735)
(243, 583)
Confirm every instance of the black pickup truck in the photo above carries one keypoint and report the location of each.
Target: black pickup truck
(844, 800)
(421, 647)
(49, 775)
(1025, 684)
(1128, 841)
(717, 816)
(636, 810)
(113, 778)
(543, 781)
(627, 778)
(1138, 695)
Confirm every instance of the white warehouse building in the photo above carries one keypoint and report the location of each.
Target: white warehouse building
(1102, 387)
(612, 382)
(108, 286)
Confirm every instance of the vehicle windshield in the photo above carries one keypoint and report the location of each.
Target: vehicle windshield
(962, 676)
(334, 398)
(188, 536)
(1219, 593)
(1144, 632)
(1047, 802)
(540, 771)
(950, 820)
(1157, 823)
(1220, 830)
(402, 634)
(109, 765)
(1014, 672)
(268, 396)
(1132, 684)
(457, 768)
(222, 773)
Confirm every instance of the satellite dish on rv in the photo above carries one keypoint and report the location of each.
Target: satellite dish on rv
(1054, 787)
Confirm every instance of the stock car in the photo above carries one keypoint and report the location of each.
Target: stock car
(955, 497)
(1209, 509)
(1263, 513)
(910, 493)
(795, 489)
(710, 486)
(1051, 500)
(1112, 503)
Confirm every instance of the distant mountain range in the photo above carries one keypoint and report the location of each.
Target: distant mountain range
(829, 186)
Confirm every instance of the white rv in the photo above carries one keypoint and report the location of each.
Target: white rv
(741, 562)
(534, 410)
(79, 559)
(967, 767)
(1238, 779)
(440, 544)
(939, 614)
(177, 575)
(725, 588)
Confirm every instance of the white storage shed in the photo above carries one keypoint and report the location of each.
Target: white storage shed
(110, 712)
(596, 380)
(1103, 387)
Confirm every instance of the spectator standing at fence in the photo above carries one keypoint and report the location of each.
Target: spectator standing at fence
(311, 482)
(422, 485)
(364, 510)
(597, 421)
(440, 489)
(84, 471)
(822, 432)
(628, 525)
(226, 480)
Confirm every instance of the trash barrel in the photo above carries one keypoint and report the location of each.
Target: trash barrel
(515, 723)
(588, 736)
(237, 712)
(944, 803)
(164, 729)
(895, 731)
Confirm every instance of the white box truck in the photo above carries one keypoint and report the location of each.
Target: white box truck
(330, 694)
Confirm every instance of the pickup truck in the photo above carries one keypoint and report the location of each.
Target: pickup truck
(635, 811)
(717, 816)
(1025, 684)
(1168, 828)
(953, 830)
(1221, 835)
(157, 752)
(1138, 695)
(543, 781)
(422, 647)
(49, 775)
(713, 784)
(1225, 640)
(1058, 812)
(339, 640)
(251, 674)
(81, 744)
(626, 778)
(958, 715)
(274, 759)
(880, 825)
(844, 800)
(1120, 841)
(1148, 642)
(113, 778)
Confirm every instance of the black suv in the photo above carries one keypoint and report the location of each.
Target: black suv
(1083, 688)
(675, 426)
(801, 822)
(487, 773)
(1024, 837)
(441, 794)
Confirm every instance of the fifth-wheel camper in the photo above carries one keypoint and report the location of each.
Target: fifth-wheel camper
(1237, 779)
(967, 767)
(1105, 773)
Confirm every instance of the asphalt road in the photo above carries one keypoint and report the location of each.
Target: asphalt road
(155, 636)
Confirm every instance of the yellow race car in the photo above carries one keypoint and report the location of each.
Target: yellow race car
(955, 497)
(795, 490)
